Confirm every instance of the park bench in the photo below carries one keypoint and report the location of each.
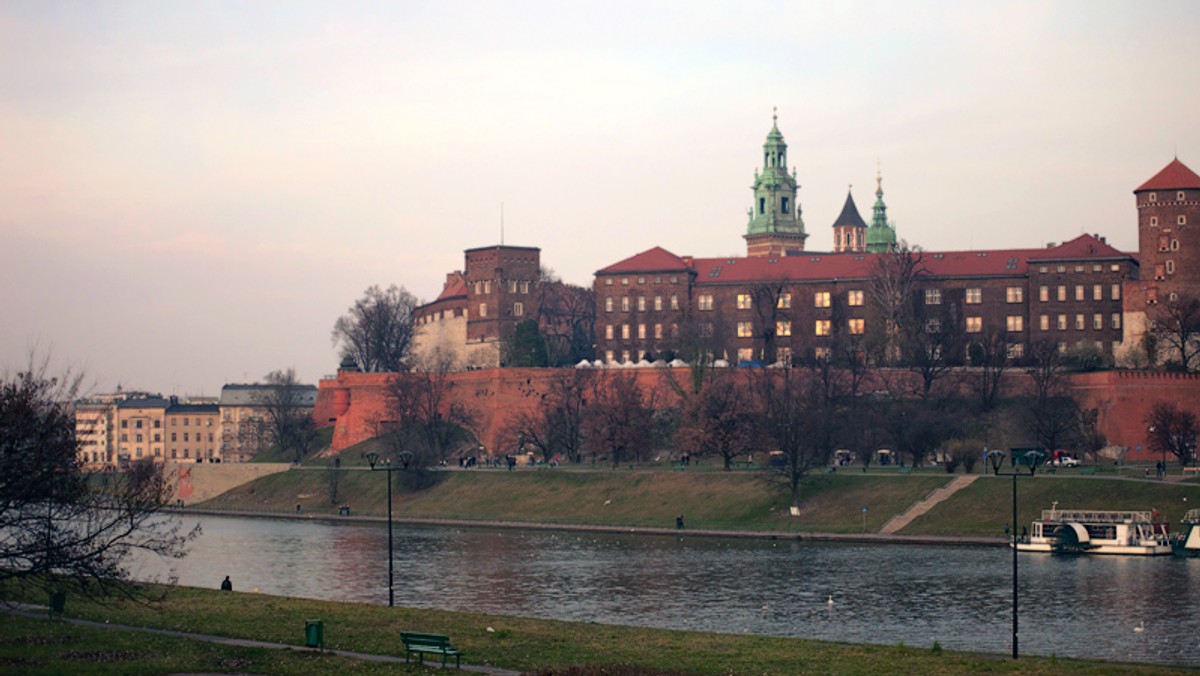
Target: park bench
(436, 644)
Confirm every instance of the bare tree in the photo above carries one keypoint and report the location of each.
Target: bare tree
(288, 405)
(1172, 430)
(424, 409)
(892, 292)
(797, 422)
(1177, 324)
(718, 421)
(567, 319)
(61, 529)
(556, 426)
(620, 418)
(772, 305)
(989, 354)
(333, 479)
(378, 329)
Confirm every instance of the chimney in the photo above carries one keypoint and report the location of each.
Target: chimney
(687, 260)
(1049, 245)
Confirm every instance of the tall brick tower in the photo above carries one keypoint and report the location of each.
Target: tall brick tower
(1169, 233)
(775, 228)
(501, 291)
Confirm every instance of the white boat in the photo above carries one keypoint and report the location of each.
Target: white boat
(1079, 531)
(1187, 543)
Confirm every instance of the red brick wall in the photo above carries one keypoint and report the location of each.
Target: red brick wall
(1126, 397)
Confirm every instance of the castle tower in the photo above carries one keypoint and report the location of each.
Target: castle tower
(1169, 233)
(881, 236)
(775, 227)
(849, 230)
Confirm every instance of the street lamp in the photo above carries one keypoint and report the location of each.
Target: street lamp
(386, 466)
(1032, 458)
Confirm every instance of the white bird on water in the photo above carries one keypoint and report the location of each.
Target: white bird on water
(1140, 628)
(830, 601)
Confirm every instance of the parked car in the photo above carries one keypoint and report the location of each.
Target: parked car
(1066, 461)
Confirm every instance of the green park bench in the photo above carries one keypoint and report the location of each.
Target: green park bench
(436, 644)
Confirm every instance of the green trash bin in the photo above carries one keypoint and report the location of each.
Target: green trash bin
(58, 600)
(314, 634)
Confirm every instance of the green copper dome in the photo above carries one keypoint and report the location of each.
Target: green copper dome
(881, 236)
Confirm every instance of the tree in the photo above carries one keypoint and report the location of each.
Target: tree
(797, 422)
(1172, 430)
(989, 354)
(1177, 325)
(333, 479)
(556, 426)
(377, 331)
(425, 412)
(1054, 417)
(772, 305)
(892, 292)
(59, 529)
(620, 418)
(527, 347)
(289, 413)
(719, 420)
(567, 318)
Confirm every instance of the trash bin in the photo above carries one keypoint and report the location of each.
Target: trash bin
(57, 601)
(314, 634)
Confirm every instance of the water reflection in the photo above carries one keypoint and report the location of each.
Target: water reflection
(959, 597)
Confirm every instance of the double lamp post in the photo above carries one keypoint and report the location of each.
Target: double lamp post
(373, 459)
(1031, 458)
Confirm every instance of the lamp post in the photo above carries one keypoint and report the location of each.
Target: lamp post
(1031, 458)
(386, 466)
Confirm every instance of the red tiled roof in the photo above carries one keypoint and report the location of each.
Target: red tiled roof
(455, 286)
(1174, 176)
(1083, 246)
(652, 260)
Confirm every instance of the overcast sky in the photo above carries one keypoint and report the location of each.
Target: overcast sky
(192, 192)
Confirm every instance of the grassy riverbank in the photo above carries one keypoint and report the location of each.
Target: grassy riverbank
(830, 503)
(42, 647)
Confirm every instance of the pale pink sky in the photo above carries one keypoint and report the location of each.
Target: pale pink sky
(191, 193)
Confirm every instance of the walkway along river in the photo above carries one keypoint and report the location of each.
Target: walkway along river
(958, 596)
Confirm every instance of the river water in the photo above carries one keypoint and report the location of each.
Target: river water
(958, 596)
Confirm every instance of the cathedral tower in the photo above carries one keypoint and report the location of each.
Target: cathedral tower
(881, 236)
(849, 230)
(775, 227)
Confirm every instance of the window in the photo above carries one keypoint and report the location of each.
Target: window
(1181, 220)
(1153, 197)
(783, 355)
(674, 330)
(1180, 196)
(641, 331)
(743, 301)
(1044, 322)
(641, 303)
(704, 302)
(1097, 321)
(674, 302)
(933, 296)
(1097, 267)
(1015, 294)
(745, 329)
(1062, 293)
(1079, 322)
(975, 296)
(1170, 267)
(706, 330)
(608, 356)
(1061, 268)
(1016, 350)
(1116, 321)
(624, 281)
(608, 332)
(1015, 323)
(821, 299)
(175, 422)
(1115, 292)
(1061, 324)
(658, 332)
(625, 332)
(608, 304)
(625, 356)
(1044, 269)
(1160, 271)
(185, 436)
(138, 424)
(822, 328)
(124, 438)
(487, 286)
(856, 326)
(674, 279)
(854, 298)
(139, 438)
(1174, 245)
(641, 280)
(518, 309)
(1043, 293)
(783, 328)
(1164, 242)
(1097, 292)
(125, 424)
(483, 309)
(1078, 292)
(745, 354)
(785, 301)
(1078, 268)
(1153, 221)
(173, 436)
(607, 282)
(933, 326)
(512, 286)
(524, 287)
(658, 279)
(658, 304)
(624, 303)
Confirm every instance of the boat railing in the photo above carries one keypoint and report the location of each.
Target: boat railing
(1192, 516)
(1090, 516)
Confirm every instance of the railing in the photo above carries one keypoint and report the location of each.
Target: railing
(1096, 517)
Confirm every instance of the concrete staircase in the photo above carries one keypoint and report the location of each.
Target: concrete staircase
(935, 497)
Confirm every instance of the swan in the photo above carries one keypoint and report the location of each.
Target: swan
(830, 601)
(1140, 628)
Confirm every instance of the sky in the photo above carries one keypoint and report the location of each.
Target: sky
(191, 193)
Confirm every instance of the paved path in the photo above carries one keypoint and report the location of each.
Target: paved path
(38, 612)
(899, 521)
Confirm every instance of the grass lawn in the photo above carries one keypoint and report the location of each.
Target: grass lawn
(35, 646)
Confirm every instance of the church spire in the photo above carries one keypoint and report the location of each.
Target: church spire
(774, 227)
(880, 236)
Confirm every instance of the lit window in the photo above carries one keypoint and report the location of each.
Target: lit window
(854, 298)
(785, 301)
(821, 299)
(524, 287)
(1079, 322)
(822, 327)
(607, 282)
(625, 332)
(608, 356)
(512, 286)
(822, 353)
(608, 304)
(674, 302)
(1044, 293)
(856, 326)
(483, 309)
(783, 328)
(1015, 294)
(624, 303)
(518, 309)
(704, 302)
(658, 332)
(745, 329)
(625, 356)
(745, 354)
(1015, 323)
(1062, 268)
(1097, 292)
(933, 296)
(1116, 321)
(658, 303)
(608, 332)
(743, 301)
(487, 286)
(1096, 267)
(1043, 269)
(1016, 350)
(624, 281)
(1115, 292)
(783, 355)
(974, 296)
(1062, 293)
(1044, 322)
(641, 303)
(1079, 292)
(641, 280)
(1061, 324)
(641, 331)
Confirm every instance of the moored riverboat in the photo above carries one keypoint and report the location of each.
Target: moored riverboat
(1079, 531)
(1187, 543)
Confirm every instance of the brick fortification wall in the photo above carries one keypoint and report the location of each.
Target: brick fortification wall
(355, 402)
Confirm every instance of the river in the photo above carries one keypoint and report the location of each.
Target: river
(960, 597)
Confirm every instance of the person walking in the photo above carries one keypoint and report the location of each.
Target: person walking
(226, 585)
